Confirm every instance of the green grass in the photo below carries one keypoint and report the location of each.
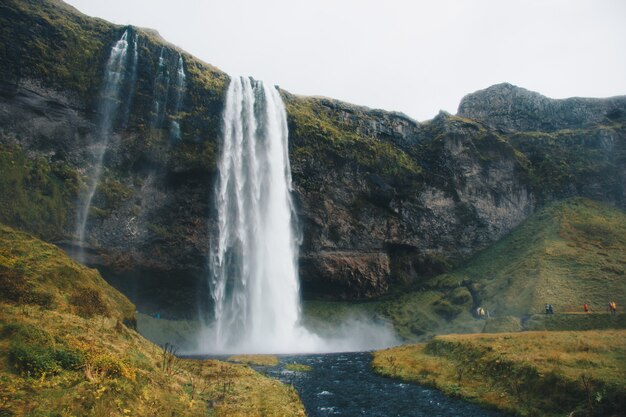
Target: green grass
(258, 360)
(74, 351)
(532, 373)
(298, 367)
(314, 131)
(35, 194)
(567, 254)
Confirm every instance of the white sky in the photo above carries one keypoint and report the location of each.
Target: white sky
(412, 56)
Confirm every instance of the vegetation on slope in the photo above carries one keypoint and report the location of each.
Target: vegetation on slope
(567, 254)
(531, 373)
(68, 347)
(37, 194)
(317, 133)
(565, 162)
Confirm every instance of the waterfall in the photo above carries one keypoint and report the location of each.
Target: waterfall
(109, 102)
(132, 82)
(254, 280)
(160, 93)
(179, 91)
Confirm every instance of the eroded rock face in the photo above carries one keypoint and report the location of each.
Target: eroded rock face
(381, 198)
(511, 108)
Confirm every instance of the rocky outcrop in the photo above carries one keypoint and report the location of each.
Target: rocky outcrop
(381, 198)
(511, 108)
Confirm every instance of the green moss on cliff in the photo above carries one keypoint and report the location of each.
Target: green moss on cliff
(49, 42)
(35, 194)
(316, 133)
(570, 162)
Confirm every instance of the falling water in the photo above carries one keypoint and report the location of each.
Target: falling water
(110, 99)
(160, 93)
(133, 80)
(179, 94)
(255, 278)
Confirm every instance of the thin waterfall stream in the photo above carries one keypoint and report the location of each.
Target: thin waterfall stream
(114, 75)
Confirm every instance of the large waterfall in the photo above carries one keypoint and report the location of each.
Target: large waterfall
(114, 74)
(254, 273)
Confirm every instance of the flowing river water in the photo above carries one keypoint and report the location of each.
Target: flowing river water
(343, 384)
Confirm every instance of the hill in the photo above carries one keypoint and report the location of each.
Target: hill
(569, 253)
(534, 373)
(68, 347)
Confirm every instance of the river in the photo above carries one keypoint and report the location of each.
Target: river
(343, 384)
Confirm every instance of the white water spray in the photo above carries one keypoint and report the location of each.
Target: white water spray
(132, 82)
(109, 103)
(255, 279)
(161, 91)
(179, 89)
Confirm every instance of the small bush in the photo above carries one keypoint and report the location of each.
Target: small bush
(69, 359)
(111, 367)
(33, 360)
(16, 289)
(89, 302)
(26, 333)
(460, 295)
(446, 310)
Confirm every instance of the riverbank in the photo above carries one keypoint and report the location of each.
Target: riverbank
(68, 346)
(529, 373)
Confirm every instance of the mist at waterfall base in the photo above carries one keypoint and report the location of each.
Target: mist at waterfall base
(254, 273)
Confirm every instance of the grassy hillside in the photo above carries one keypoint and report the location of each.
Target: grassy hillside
(68, 348)
(530, 374)
(567, 254)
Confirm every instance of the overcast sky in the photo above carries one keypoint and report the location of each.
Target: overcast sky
(416, 57)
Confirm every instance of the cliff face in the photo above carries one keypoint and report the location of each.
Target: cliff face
(381, 198)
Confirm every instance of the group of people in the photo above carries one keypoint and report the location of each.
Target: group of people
(586, 308)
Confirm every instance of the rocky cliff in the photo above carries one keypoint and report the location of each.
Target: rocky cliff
(382, 199)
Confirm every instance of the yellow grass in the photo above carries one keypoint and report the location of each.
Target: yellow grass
(119, 373)
(530, 373)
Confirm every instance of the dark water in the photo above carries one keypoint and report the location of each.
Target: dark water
(342, 384)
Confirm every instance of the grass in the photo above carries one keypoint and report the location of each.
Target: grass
(37, 195)
(531, 373)
(75, 352)
(567, 254)
(298, 367)
(315, 131)
(258, 360)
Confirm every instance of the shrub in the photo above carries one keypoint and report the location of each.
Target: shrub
(111, 367)
(26, 333)
(33, 360)
(460, 295)
(15, 288)
(89, 302)
(446, 310)
(69, 359)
